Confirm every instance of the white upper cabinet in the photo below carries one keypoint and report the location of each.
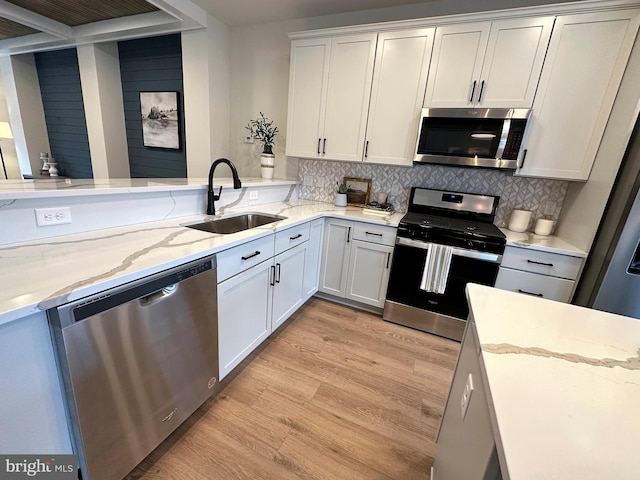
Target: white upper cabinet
(458, 51)
(399, 79)
(329, 88)
(488, 64)
(580, 79)
(308, 76)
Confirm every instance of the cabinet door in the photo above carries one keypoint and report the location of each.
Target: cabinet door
(399, 81)
(369, 272)
(314, 255)
(244, 314)
(349, 88)
(458, 52)
(288, 288)
(580, 78)
(335, 257)
(513, 62)
(308, 77)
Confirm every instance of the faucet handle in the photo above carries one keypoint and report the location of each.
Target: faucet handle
(217, 197)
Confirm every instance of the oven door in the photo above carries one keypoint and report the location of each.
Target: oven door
(404, 288)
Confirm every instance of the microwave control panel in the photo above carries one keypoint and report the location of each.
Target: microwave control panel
(514, 139)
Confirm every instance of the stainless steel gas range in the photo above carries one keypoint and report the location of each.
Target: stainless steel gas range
(446, 240)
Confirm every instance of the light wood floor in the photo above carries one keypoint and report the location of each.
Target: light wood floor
(334, 394)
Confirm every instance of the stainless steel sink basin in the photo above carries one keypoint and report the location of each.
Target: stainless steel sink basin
(235, 223)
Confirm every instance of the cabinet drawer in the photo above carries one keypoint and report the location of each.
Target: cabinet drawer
(374, 233)
(542, 286)
(553, 264)
(236, 259)
(291, 237)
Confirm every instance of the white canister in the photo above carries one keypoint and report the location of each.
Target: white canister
(543, 226)
(519, 221)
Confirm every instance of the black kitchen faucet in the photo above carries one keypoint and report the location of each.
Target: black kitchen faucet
(211, 197)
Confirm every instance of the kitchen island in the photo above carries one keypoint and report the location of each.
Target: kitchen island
(555, 393)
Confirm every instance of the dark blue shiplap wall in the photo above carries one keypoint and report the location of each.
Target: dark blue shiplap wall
(59, 79)
(151, 65)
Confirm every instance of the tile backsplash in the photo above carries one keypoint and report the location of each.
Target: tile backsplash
(542, 196)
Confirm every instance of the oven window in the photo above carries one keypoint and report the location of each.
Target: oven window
(460, 137)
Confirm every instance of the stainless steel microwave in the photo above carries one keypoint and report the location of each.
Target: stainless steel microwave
(473, 137)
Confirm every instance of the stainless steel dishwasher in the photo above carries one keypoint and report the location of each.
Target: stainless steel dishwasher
(136, 361)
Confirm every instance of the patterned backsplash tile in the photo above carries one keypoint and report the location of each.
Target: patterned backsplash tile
(542, 196)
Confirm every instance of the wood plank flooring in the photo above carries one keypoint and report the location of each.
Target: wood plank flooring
(334, 394)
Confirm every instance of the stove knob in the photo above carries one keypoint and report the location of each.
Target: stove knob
(469, 243)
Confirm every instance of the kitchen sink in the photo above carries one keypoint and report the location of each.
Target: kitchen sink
(235, 223)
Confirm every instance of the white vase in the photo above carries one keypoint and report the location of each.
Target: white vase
(267, 163)
(341, 199)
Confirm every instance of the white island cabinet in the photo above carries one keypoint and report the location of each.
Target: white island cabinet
(488, 64)
(32, 415)
(541, 390)
(356, 261)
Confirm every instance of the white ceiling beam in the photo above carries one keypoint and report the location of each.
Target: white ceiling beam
(182, 10)
(30, 19)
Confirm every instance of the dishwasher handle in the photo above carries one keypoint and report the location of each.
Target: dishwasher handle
(157, 296)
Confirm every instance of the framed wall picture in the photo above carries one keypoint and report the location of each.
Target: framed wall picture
(358, 191)
(159, 112)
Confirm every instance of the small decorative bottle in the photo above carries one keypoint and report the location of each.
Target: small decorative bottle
(44, 158)
(53, 170)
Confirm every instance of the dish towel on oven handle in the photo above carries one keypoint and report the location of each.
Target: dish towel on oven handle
(436, 268)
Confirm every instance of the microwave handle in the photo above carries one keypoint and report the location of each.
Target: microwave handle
(524, 156)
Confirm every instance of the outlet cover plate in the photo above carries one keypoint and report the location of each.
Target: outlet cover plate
(466, 396)
(46, 217)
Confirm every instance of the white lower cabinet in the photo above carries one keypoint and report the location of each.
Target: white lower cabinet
(314, 255)
(539, 274)
(244, 314)
(255, 299)
(356, 260)
(368, 272)
(288, 283)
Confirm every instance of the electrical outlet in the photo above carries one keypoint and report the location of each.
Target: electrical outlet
(52, 216)
(253, 195)
(247, 139)
(466, 396)
(550, 208)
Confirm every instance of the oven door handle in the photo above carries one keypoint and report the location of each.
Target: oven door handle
(460, 252)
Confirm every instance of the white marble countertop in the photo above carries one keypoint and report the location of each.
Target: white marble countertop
(564, 386)
(59, 187)
(548, 243)
(42, 274)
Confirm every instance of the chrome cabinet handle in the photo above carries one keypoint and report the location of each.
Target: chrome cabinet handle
(297, 236)
(540, 263)
(278, 273)
(254, 254)
(530, 293)
(272, 277)
(366, 149)
(473, 90)
(524, 155)
(324, 146)
(481, 90)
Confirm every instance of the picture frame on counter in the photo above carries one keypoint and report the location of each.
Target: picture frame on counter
(160, 120)
(358, 191)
